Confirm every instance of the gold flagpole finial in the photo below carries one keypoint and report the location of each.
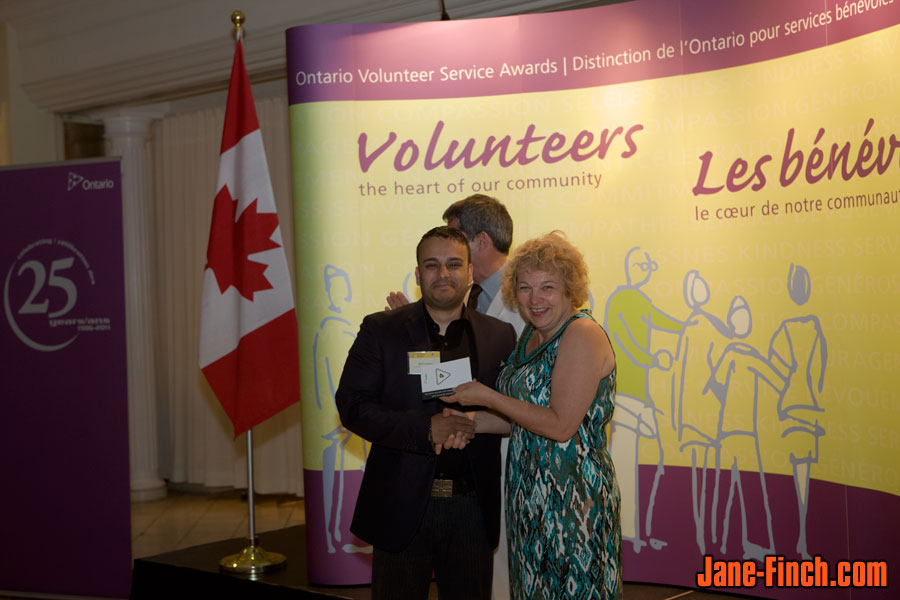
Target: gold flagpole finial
(238, 18)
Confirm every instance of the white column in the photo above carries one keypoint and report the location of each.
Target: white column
(127, 135)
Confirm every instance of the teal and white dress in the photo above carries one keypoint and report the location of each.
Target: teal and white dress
(562, 500)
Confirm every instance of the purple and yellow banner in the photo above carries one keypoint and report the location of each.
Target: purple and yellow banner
(731, 172)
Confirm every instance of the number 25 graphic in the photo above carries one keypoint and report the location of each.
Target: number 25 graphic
(30, 307)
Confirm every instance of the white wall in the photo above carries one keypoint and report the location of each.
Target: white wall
(27, 133)
(79, 55)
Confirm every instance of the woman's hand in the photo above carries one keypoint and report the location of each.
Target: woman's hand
(471, 393)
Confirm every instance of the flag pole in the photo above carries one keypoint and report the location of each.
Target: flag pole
(251, 507)
(252, 560)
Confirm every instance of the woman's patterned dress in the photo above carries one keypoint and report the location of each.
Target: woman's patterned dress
(562, 500)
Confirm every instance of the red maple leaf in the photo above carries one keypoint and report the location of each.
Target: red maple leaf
(231, 243)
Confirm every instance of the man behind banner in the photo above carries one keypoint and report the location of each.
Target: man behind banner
(489, 230)
(425, 510)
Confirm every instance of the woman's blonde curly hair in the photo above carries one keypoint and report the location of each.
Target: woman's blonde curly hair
(551, 253)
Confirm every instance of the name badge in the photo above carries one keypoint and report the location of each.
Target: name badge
(418, 360)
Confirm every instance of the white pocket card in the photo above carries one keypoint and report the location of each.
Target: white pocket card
(440, 379)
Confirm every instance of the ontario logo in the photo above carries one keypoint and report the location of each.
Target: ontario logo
(81, 182)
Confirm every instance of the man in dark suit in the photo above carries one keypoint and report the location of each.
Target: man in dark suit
(489, 231)
(424, 509)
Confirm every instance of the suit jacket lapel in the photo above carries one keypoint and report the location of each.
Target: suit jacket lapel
(417, 328)
(478, 341)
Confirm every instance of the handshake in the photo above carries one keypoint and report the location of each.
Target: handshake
(451, 429)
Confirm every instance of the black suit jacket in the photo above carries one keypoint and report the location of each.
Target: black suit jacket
(381, 402)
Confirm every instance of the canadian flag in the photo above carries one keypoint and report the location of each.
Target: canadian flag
(248, 326)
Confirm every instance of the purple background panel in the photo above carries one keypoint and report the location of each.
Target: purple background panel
(338, 568)
(843, 523)
(704, 35)
(704, 20)
(459, 45)
(855, 25)
(64, 431)
(873, 525)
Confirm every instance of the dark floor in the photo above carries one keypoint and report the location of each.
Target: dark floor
(186, 519)
(645, 591)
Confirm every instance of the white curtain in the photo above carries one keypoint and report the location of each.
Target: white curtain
(196, 438)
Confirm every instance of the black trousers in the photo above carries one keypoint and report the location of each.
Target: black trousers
(451, 543)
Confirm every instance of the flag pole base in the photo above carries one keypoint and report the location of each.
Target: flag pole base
(252, 561)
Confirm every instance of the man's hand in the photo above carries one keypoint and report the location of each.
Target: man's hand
(458, 440)
(395, 300)
(451, 430)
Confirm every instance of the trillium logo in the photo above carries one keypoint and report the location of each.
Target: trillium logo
(78, 181)
(74, 180)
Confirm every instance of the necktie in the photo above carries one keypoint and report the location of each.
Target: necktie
(472, 303)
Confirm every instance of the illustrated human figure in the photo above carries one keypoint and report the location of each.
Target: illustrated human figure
(694, 408)
(330, 347)
(630, 319)
(743, 375)
(799, 351)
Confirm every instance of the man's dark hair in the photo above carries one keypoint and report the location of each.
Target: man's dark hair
(446, 233)
(479, 213)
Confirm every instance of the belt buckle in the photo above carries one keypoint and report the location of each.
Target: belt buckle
(442, 488)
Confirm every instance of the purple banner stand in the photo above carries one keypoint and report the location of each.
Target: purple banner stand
(64, 432)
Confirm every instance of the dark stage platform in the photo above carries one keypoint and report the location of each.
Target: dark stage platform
(196, 571)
